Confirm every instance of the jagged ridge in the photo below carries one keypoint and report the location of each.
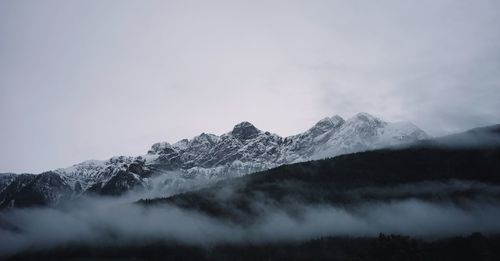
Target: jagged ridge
(189, 163)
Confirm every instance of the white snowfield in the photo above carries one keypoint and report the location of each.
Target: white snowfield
(191, 163)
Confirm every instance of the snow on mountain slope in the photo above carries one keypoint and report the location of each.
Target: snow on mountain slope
(90, 171)
(245, 149)
(6, 179)
(366, 132)
(31, 190)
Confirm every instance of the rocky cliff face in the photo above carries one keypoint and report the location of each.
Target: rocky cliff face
(190, 163)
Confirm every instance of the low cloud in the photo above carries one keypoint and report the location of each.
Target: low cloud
(116, 221)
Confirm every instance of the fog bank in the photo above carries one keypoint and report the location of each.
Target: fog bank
(108, 222)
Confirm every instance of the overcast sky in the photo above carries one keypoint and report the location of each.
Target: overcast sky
(93, 79)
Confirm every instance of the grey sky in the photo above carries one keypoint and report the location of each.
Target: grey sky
(92, 79)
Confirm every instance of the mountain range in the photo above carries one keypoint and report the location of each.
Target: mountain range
(168, 169)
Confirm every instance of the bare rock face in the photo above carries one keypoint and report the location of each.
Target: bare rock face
(35, 190)
(191, 163)
(245, 131)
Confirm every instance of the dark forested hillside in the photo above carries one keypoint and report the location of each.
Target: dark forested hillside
(359, 177)
(383, 247)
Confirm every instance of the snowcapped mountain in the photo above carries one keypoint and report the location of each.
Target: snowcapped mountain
(190, 163)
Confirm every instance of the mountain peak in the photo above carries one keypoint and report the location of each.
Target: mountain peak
(335, 120)
(327, 124)
(332, 119)
(245, 130)
(204, 138)
(363, 116)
